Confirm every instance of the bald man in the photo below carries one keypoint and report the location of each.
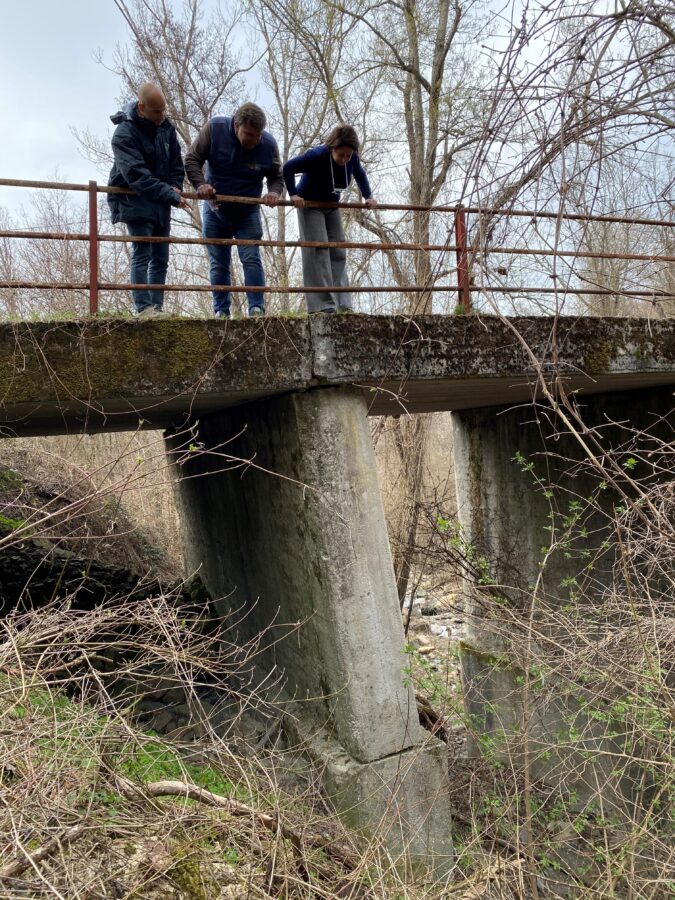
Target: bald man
(147, 160)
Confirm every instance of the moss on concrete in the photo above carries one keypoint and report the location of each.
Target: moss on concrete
(97, 361)
(460, 346)
(65, 375)
(108, 359)
(475, 482)
(599, 358)
(498, 662)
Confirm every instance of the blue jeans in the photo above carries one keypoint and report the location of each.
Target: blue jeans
(241, 222)
(149, 262)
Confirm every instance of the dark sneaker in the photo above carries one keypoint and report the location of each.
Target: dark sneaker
(256, 311)
(346, 309)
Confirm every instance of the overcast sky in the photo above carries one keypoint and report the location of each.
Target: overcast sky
(50, 81)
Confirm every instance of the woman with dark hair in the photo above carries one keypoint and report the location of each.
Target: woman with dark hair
(326, 172)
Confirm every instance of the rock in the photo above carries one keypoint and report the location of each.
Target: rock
(425, 649)
(155, 857)
(439, 630)
(429, 610)
(163, 721)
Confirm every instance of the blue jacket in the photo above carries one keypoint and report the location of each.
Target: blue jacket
(322, 177)
(147, 160)
(230, 168)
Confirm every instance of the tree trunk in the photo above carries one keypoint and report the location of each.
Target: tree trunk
(411, 438)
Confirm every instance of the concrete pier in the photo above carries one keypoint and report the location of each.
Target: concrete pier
(524, 484)
(285, 520)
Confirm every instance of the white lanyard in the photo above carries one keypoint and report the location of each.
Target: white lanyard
(337, 190)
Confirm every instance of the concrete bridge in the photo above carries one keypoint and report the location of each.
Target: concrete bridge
(301, 528)
(106, 375)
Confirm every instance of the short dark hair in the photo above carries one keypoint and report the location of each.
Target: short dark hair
(250, 114)
(343, 136)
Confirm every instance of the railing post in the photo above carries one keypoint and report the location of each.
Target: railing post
(463, 292)
(93, 248)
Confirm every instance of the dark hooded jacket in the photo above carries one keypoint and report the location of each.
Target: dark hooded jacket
(147, 160)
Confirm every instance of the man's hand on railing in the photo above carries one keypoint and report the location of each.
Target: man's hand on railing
(183, 203)
(206, 190)
(271, 199)
(371, 202)
(298, 201)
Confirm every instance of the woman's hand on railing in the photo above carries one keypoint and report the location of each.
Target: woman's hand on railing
(206, 190)
(371, 202)
(298, 201)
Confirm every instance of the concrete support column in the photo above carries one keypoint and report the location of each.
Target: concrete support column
(521, 478)
(295, 534)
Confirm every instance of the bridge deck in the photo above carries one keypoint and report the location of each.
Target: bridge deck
(106, 375)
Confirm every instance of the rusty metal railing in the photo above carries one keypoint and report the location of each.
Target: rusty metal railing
(462, 249)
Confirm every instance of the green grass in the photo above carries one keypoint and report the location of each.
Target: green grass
(63, 735)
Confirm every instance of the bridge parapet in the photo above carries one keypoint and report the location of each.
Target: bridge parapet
(112, 374)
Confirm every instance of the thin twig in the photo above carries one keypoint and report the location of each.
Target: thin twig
(272, 823)
(18, 866)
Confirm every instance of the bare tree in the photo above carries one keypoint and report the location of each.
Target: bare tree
(56, 261)
(193, 59)
(9, 297)
(595, 95)
(303, 107)
(394, 70)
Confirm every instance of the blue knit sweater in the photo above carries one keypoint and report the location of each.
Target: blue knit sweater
(322, 178)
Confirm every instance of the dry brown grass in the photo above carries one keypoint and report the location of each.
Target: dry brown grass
(124, 479)
(91, 805)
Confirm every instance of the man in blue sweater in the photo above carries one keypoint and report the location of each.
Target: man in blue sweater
(148, 160)
(238, 154)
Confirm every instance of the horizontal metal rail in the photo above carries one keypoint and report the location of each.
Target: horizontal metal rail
(356, 289)
(464, 289)
(347, 245)
(404, 207)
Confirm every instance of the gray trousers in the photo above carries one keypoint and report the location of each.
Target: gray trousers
(323, 266)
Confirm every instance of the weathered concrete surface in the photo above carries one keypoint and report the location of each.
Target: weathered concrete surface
(112, 374)
(302, 533)
(507, 509)
(402, 799)
(296, 542)
(435, 363)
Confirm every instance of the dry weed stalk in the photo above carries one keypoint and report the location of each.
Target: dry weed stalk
(577, 775)
(92, 804)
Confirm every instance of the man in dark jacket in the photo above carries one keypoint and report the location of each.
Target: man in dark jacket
(147, 160)
(239, 154)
